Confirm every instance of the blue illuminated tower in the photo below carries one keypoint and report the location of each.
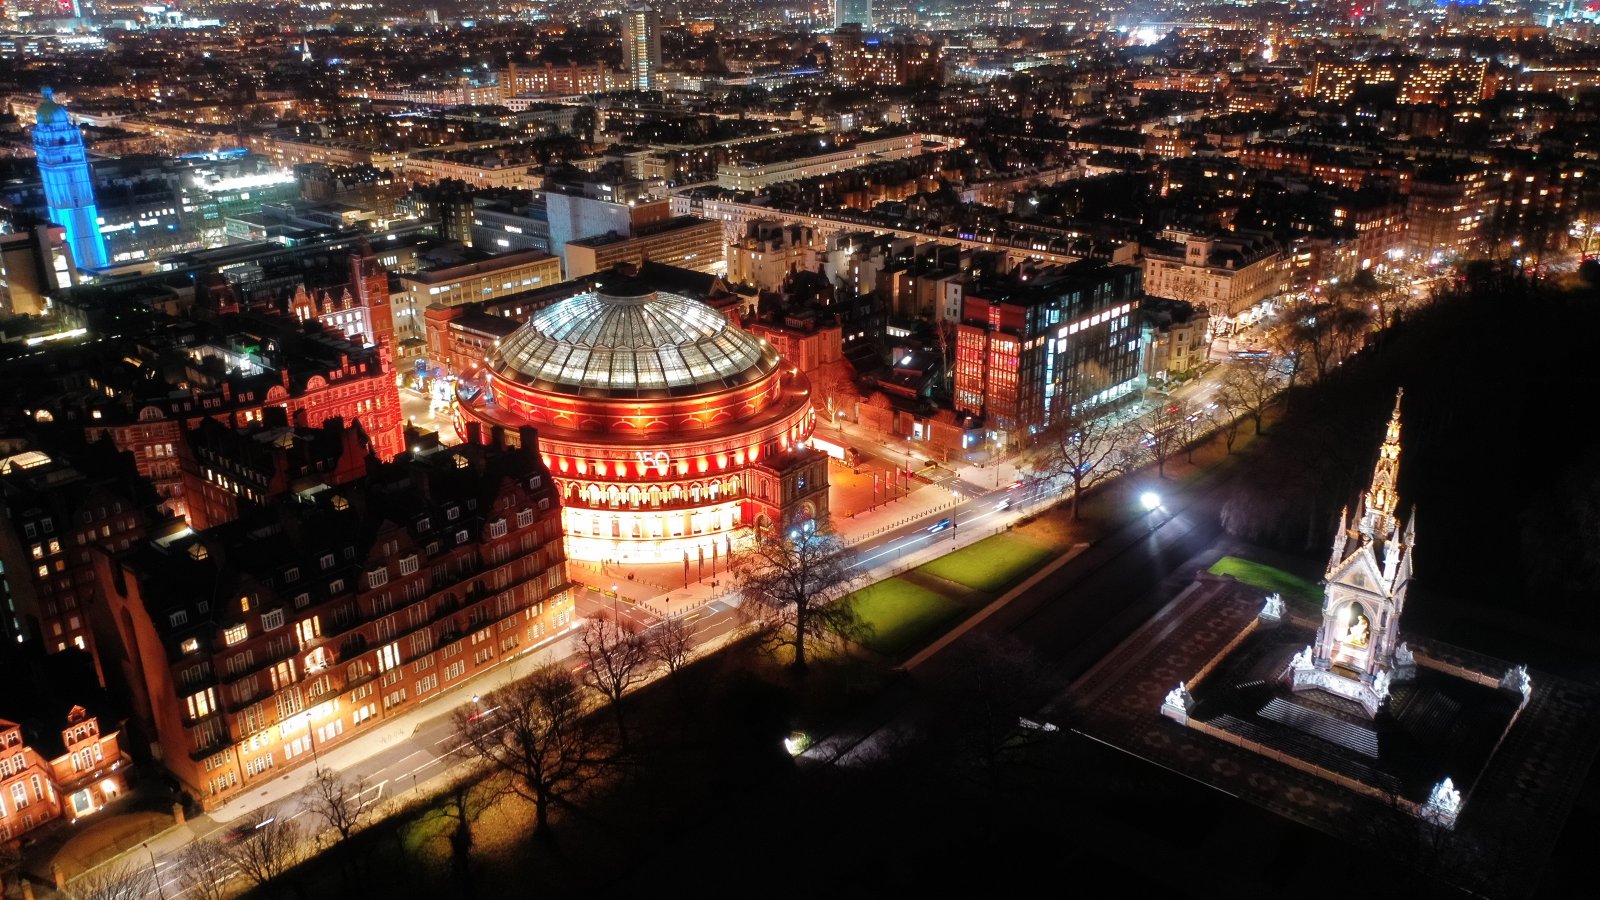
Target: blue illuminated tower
(64, 167)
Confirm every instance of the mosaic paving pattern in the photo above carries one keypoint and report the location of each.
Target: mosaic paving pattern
(1512, 817)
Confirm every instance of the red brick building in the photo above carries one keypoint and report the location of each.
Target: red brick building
(54, 517)
(251, 645)
(69, 777)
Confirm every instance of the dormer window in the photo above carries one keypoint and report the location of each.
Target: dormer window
(179, 618)
(424, 524)
(452, 513)
(272, 619)
(460, 461)
(291, 575)
(326, 561)
(189, 645)
(339, 502)
(377, 577)
(235, 634)
(198, 552)
(408, 565)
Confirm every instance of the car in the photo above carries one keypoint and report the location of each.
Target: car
(1003, 504)
(1014, 485)
(941, 525)
(245, 830)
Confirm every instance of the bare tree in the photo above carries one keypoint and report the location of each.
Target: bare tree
(268, 849)
(1161, 434)
(670, 642)
(1227, 413)
(1253, 384)
(1326, 333)
(993, 685)
(203, 870)
(790, 582)
(540, 737)
(461, 805)
(617, 660)
(126, 881)
(833, 387)
(341, 803)
(1081, 448)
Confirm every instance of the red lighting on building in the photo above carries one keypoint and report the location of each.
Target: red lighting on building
(658, 413)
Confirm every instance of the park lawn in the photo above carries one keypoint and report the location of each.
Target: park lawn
(1292, 587)
(992, 564)
(903, 616)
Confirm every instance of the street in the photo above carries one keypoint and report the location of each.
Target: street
(1120, 574)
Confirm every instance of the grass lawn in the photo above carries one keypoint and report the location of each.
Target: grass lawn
(902, 615)
(992, 564)
(1292, 587)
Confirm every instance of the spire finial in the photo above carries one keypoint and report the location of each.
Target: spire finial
(1380, 501)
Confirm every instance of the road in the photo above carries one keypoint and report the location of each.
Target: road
(406, 764)
(1070, 619)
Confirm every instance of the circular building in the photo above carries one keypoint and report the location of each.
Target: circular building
(667, 428)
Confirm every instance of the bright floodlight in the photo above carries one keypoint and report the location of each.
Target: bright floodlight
(1150, 500)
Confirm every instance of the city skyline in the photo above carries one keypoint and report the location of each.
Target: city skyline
(444, 444)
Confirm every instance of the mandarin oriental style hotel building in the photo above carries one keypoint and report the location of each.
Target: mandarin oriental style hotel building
(670, 431)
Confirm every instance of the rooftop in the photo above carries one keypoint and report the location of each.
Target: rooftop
(628, 340)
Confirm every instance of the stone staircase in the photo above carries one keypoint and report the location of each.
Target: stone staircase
(1349, 735)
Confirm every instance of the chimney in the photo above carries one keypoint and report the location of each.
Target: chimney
(530, 438)
(497, 437)
(474, 433)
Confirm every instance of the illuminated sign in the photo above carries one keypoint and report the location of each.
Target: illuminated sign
(658, 459)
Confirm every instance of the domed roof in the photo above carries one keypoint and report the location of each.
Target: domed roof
(625, 340)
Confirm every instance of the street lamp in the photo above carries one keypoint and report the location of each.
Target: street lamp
(311, 735)
(155, 873)
(614, 614)
(1151, 501)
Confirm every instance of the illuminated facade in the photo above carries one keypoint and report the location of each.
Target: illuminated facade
(85, 770)
(669, 432)
(1033, 346)
(252, 646)
(641, 46)
(64, 169)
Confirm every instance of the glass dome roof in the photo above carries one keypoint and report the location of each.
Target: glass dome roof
(626, 340)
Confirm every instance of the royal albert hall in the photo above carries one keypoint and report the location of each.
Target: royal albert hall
(670, 431)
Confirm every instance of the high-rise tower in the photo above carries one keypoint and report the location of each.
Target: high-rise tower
(641, 46)
(852, 12)
(68, 190)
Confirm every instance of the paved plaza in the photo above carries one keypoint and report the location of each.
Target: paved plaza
(1513, 814)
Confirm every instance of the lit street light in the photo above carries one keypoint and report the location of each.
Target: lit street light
(311, 735)
(1151, 501)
